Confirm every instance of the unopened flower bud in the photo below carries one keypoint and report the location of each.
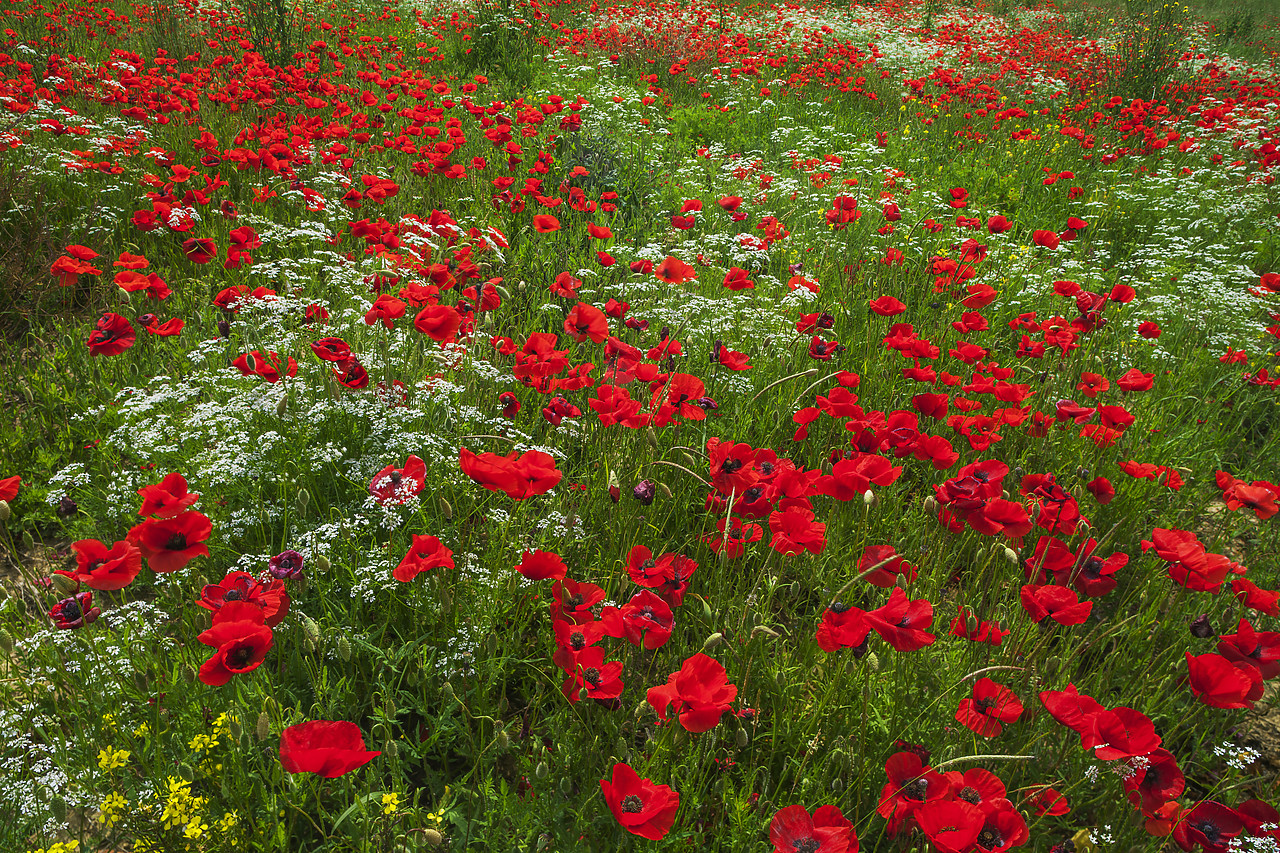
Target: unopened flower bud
(764, 631)
(1201, 627)
(282, 406)
(503, 740)
(741, 738)
(1011, 555)
(542, 771)
(6, 642)
(122, 296)
(645, 491)
(262, 730)
(446, 508)
(873, 662)
(666, 493)
(64, 585)
(5, 512)
(566, 786)
(322, 563)
(712, 642)
(67, 508)
(344, 648)
(837, 785)
(432, 837)
(224, 327)
(869, 498)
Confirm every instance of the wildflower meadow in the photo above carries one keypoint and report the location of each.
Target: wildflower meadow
(522, 425)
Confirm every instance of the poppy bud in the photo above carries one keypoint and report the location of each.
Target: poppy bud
(503, 740)
(446, 508)
(873, 662)
(836, 785)
(521, 286)
(224, 327)
(391, 749)
(5, 512)
(742, 738)
(122, 296)
(645, 491)
(1201, 627)
(491, 644)
(931, 505)
(262, 730)
(566, 784)
(615, 491)
(869, 498)
(651, 437)
(27, 393)
(971, 623)
(714, 641)
(59, 809)
(322, 563)
(283, 406)
(432, 837)
(302, 501)
(765, 631)
(6, 642)
(233, 726)
(312, 631)
(666, 493)
(67, 508)
(186, 774)
(344, 648)
(64, 585)
(1011, 555)
(542, 771)
(447, 692)
(1052, 665)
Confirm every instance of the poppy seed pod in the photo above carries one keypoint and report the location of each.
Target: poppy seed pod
(262, 730)
(446, 508)
(283, 406)
(6, 642)
(742, 738)
(344, 648)
(432, 837)
(5, 512)
(322, 563)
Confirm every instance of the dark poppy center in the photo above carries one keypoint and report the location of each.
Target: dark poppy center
(395, 477)
(730, 466)
(71, 609)
(990, 838)
(239, 657)
(578, 641)
(969, 793)
(631, 804)
(916, 790)
(806, 845)
(94, 566)
(592, 676)
(233, 595)
(177, 542)
(575, 600)
(1209, 830)
(647, 565)
(983, 705)
(838, 607)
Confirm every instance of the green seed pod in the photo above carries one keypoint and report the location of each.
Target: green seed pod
(651, 437)
(302, 501)
(6, 642)
(262, 730)
(432, 837)
(741, 738)
(714, 641)
(5, 512)
(234, 727)
(64, 585)
(186, 774)
(344, 648)
(59, 809)
(566, 785)
(542, 771)
(312, 631)
(837, 785)
(321, 563)
(391, 749)
(873, 662)
(283, 406)
(446, 509)
(503, 740)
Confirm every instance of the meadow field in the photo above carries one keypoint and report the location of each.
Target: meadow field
(519, 425)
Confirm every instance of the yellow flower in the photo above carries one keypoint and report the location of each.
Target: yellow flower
(111, 808)
(203, 743)
(195, 828)
(111, 759)
(389, 803)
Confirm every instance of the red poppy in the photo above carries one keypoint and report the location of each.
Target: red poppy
(545, 223)
(587, 322)
(326, 748)
(827, 830)
(1055, 602)
(166, 498)
(645, 620)
(674, 271)
(911, 785)
(265, 365)
(385, 309)
(242, 640)
(270, 595)
(589, 671)
(1047, 239)
(541, 565)
(519, 476)
(170, 543)
(736, 279)
(394, 485)
(1158, 780)
(438, 322)
(1209, 825)
(1222, 683)
(1135, 380)
(571, 601)
(988, 708)
(843, 627)
(903, 623)
(331, 349)
(641, 807)
(700, 693)
(1047, 801)
(887, 306)
(103, 568)
(1255, 598)
(74, 612)
(425, 552)
(351, 373)
(200, 250)
(1122, 733)
(951, 826)
(9, 488)
(880, 565)
(794, 531)
(113, 335)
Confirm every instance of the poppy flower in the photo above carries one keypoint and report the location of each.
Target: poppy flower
(74, 612)
(439, 322)
(425, 553)
(1208, 825)
(519, 476)
(242, 639)
(571, 601)
(988, 708)
(541, 565)
(951, 826)
(843, 627)
(640, 807)
(1134, 379)
(1047, 801)
(1158, 781)
(911, 785)
(1122, 733)
(794, 531)
(880, 565)
(267, 365)
(111, 336)
(1055, 602)
(103, 568)
(9, 488)
(1076, 711)
(587, 322)
(644, 620)
(827, 830)
(903, 623)
(394, 485)
(589, 671)
(887, 306)
(331, 349)
(166, 498)
(270, 595)
(674, 271)
(200, 250)
(385, 309)
(168, 544)
(736, 279)
(1222, 683)
(545, 223)
(324, 747)
(699, 694)
(1047, 239)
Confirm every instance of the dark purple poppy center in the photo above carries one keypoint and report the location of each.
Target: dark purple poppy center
(990, 838)
(592, 676)
(239, 657)
(1209, 830)
(233, 595)
(631, 804)
(177, 542)
(730, 466)
(577, 641)
(71, 610)
(969, 793)
(916, 790)
(808, 844)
